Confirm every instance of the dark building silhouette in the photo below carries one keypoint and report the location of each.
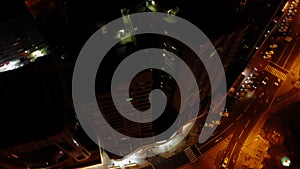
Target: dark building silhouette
(260, 17)
(226, 45)
(37, 125)
(49, 135)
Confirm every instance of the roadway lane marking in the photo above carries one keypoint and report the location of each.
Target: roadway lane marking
(289, 55)
(282, 69)
(198, 149)
(246, 108)
(241, 133)
(232, 150)
(282, 53)
(217, 136)
(239, 116)
(247, 123)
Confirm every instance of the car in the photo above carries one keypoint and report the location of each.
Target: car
(261, 94)
(265, 80)
(285, 24)
(249, 82)
(273, 46)
(284, 27)
(277, 82)
(216, 122)
(288, 17)
(288, 38)
(282, 30)
(246, 90)
(240, 94)
(246, 86)
(287, 20)
(254, 74)
(224, 114)
(267, 56)
(270, 52)
(253, 77)
(291, 8)
(225, 162)
(209, 125)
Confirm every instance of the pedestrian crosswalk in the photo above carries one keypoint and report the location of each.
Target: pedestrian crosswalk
(297, 84)
(276, 72)
(190, 154)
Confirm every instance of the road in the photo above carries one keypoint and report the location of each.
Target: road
(249, 108)
(278, 67)
(271, 75)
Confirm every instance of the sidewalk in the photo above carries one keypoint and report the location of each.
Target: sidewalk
(212, 158)
(253, 154)
(165, 149)
(248, 144)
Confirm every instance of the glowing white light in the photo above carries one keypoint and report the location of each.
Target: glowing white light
(11, 65)
(37, 53)
(75, 142)
(285, 161)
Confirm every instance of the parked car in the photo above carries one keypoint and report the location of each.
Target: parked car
(265, 80)
(271, 52)
(276, 83)
(273, 46)
(225, 162)
(288, 38)
(224, 114)
(267, 56)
